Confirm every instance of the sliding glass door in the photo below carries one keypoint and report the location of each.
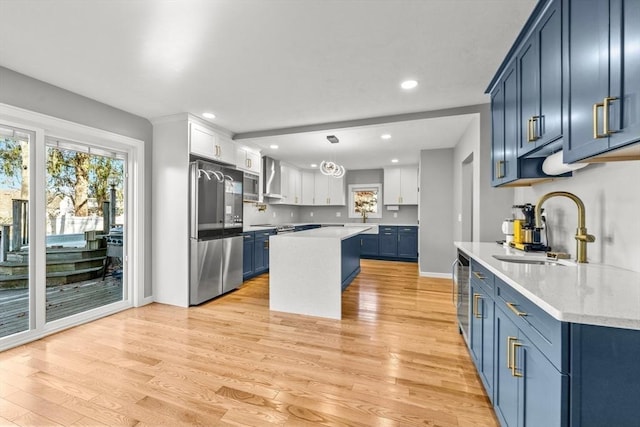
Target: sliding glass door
(85, 228)
(16, 278)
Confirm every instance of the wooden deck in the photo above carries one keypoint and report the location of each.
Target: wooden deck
(62, 301)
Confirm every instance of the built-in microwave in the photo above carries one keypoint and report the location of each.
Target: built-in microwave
(251, 187)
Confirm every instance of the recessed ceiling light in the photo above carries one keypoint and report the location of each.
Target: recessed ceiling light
(209, 115)
(273, 146)
(313, 165)
(409, 84)
(385, 136)
(394, 160)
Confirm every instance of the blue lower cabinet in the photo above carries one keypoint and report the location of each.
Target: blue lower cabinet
(369, 245)
(388, 241)
(350, 266)
(481, 342)
(247, 254)
(256, 253)
(408, 242)
(529, 390)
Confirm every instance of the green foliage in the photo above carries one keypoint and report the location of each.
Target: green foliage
(10, 161)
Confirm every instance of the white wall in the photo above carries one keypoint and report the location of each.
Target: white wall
(611, 194)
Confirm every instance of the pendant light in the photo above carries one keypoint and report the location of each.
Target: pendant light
(331, 168)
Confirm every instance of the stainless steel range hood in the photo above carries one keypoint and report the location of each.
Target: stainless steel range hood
(271, 182)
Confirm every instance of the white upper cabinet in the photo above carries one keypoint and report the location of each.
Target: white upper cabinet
(290, 183)
(329, 190)
(207, 143)
(308, 179)
(248, 159)
(401, 185)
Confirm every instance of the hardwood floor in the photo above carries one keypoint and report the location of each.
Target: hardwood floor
(395, 359)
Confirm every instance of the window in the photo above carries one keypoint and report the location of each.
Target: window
(365, 201)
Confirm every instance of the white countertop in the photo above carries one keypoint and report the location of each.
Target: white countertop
(593, 294)
(340, 233)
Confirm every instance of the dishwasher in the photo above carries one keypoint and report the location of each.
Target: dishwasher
(460, 292)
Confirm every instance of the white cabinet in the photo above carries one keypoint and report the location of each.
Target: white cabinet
(401, 185)
(329, 190)
(290, 183)
(175, 138)
(248, 159)
(205, 142)
(308, 183)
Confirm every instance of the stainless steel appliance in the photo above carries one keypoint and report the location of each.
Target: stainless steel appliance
(251, 187)
(272, 178)
(215, 230)
(460, 292)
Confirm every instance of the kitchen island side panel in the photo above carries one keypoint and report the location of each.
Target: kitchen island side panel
(305, 276)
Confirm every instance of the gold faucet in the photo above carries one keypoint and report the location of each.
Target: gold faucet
(582, 238)
(364, 214)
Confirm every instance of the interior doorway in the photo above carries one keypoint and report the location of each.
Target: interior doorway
(466, 219)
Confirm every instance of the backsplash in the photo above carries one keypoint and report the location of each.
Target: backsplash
(274, 214)
(611, 197)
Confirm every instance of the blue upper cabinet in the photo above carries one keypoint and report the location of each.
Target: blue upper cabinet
(602, 79)
(504, 114)
(540, 84)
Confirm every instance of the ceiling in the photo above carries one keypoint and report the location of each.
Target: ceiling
(274, 64)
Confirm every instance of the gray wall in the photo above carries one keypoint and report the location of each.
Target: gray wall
(436, 211)
(35, 95)
(612, 200)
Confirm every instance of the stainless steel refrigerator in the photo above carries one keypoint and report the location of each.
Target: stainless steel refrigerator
(215, 230)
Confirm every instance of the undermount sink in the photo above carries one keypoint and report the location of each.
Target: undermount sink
(535, 260)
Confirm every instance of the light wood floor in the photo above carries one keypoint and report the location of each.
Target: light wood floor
(395, 359)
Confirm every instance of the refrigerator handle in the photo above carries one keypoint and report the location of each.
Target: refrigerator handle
(193, 203)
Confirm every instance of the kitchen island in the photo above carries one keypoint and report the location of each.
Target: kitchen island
(310, 269)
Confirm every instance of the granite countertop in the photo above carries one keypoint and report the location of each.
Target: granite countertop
(593, 294)
(340, 233)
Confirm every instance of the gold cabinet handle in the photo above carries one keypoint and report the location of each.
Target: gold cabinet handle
(476, 312)
(596, 135)
(534, 134)
(509, 340)
(605, 118)
(530, 130)
(514, 368)
(499, 172)
(513, 308)
(479, 275)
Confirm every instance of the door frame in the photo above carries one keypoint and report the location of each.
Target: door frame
(44, 127)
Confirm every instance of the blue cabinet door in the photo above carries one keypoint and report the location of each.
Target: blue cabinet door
(504, 112)
(247, 254)
(604, 66)
(481, 342)
(506, 383)
(540, 83)
(261, 251)
(369, 245)
(408, 242)
(388, 241)
(543, 394)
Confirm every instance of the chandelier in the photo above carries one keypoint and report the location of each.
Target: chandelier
(332, 168)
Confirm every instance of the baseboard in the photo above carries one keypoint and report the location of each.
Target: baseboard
(435, 275)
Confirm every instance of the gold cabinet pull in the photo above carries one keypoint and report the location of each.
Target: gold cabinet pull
(534, 134)
(479, 275)
(499, 172)
(605, 117)
(514, 368)
(596, 135)
(513, 308)
(509, 339)
(476, 312)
